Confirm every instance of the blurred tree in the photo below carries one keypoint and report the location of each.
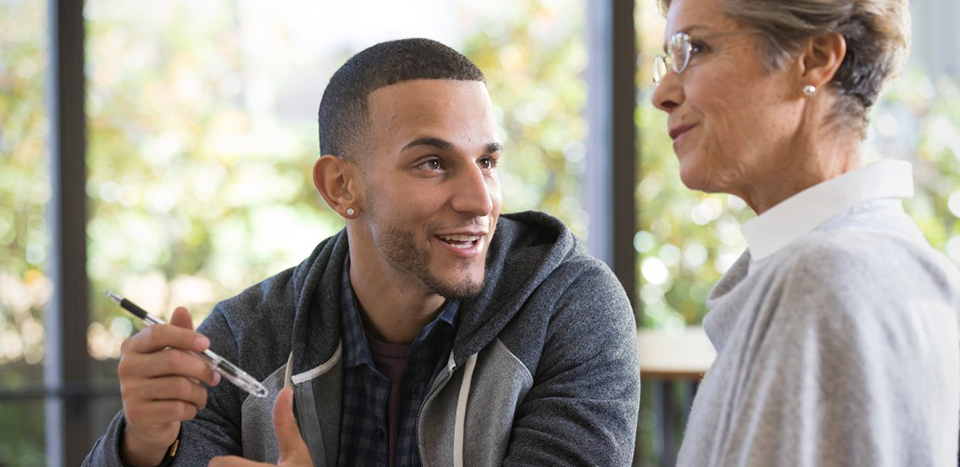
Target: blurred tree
(24, 191)
(534, 61)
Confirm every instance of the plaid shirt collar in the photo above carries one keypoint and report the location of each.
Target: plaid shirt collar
(355, 346)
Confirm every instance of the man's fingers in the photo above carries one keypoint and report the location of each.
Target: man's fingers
(171, 388)
(163, 412)
(293, 451)
(161, 336)
(167, 362)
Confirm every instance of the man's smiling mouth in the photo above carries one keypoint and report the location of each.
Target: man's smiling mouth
(460, 241)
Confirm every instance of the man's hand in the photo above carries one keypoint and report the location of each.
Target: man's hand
(293, 451)
(160, 386)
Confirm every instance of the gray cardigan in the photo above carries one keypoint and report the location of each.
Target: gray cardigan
(543, 370)
(841, 349)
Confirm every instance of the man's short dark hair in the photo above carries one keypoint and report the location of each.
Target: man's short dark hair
(343, 108)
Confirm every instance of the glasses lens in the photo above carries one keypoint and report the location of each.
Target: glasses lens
(680, 51)
(659, 68)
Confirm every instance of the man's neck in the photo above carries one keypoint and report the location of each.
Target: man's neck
(393, 310)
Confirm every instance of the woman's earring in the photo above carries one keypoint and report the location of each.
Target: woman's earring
(351, 211)
(809, 90)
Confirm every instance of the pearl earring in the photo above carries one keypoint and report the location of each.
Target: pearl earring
(351, 211)
(809, 90)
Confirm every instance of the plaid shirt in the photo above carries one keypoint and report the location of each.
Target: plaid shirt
(363, 422)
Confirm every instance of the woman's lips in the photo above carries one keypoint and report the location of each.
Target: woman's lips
(676, 132)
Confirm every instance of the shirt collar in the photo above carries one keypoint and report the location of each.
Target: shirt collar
(356, 348)
(803, 212)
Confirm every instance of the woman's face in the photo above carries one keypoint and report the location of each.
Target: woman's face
(731, 120)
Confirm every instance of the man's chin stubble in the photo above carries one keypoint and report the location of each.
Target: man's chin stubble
(454, 291)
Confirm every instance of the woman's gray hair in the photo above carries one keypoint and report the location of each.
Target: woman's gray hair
(877, 33)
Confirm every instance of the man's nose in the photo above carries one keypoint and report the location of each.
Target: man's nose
(472, 192)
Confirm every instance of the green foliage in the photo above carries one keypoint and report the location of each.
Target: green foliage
(24, 183)
(533, 61)
(22, 434)
(192, 198)
(24, 242)
(686, 239)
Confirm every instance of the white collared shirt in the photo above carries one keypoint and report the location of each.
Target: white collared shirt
(803, 212)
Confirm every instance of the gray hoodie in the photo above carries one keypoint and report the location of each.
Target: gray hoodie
(543, 370)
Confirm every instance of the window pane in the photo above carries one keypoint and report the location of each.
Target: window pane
(24, 191)
(24, 244)
(918, 119)
(102, 411)
(22, 433)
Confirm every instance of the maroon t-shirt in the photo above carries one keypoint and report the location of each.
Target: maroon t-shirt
(390, 360)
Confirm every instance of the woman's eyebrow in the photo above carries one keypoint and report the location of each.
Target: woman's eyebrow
(687, 30)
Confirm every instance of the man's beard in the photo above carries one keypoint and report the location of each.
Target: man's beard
(400, 247)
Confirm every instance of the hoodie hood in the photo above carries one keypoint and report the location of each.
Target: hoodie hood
(526, 248)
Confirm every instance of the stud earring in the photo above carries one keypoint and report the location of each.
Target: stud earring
(809, 90)
(351, 211)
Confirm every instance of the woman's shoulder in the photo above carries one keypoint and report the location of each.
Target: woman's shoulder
(853, 269)
(873, 252)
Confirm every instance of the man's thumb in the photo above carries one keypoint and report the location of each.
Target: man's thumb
(292, 447)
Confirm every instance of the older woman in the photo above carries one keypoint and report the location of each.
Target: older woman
(837, 330)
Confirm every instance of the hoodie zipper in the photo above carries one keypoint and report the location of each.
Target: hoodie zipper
(308, 441)
(437, 385)
(299, 415)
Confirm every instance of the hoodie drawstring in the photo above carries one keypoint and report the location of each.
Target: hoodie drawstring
(462, 410)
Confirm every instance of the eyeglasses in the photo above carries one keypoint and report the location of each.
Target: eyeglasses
(677, 57)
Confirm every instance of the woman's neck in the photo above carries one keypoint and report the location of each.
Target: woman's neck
(804, 164)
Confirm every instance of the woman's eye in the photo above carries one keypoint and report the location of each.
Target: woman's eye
(695, 48)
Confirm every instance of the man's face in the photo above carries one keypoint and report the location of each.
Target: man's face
(430, 185)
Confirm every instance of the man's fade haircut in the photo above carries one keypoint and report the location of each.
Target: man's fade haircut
(343, 108)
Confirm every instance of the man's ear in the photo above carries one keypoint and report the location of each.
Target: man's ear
(820, 59)
(340, 184)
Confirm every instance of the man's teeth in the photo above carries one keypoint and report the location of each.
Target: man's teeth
(459, 238)
(460, 241)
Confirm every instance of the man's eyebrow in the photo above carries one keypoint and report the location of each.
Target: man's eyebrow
(494, 147)
(445, 145)
(438, 143)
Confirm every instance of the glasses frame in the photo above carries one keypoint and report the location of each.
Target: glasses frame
(677, 57)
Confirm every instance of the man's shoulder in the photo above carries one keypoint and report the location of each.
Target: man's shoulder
(530, 229)
(269, 311)
(279, 296)
(545, 243)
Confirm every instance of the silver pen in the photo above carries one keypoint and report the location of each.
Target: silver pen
(219, 364)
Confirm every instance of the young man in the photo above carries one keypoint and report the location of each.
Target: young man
(430, 330)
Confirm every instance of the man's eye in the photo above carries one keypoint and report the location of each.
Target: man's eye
(488, 163)
(432, 164)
